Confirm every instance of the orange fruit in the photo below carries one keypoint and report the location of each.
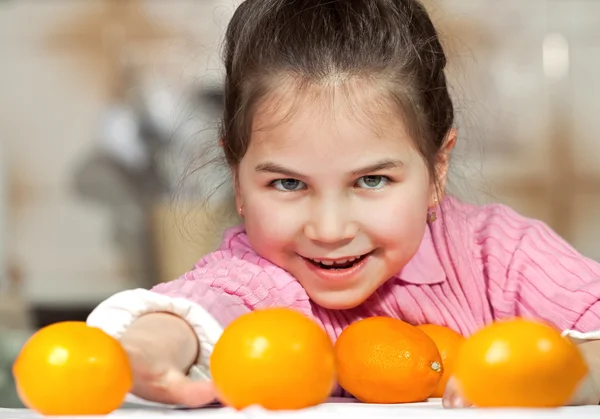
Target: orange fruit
(69, 368)
(519, 363)
(448, 342)
(384, 360)
(276, 358)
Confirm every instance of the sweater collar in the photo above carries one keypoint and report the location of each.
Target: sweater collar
(425, 267)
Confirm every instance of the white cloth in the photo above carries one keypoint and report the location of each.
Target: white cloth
(581, 336)
(425, 410)
(118, 312)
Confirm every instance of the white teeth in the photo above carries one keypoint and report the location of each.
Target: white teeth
(337, 262)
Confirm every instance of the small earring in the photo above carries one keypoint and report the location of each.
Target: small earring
(241, 210)
(432, 214)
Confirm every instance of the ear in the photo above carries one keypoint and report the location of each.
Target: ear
(239, 201)
(239, 204)
(442, 165)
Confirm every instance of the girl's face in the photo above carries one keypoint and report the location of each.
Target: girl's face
(333, 190)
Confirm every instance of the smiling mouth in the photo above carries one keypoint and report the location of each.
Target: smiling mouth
(337, 264)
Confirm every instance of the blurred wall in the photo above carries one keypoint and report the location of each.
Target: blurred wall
(60, 72)
(524, 77)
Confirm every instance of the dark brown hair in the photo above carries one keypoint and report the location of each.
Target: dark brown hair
(312, 40)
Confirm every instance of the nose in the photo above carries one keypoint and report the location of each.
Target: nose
(330, 223)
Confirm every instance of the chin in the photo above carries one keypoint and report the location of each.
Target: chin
(338, 300)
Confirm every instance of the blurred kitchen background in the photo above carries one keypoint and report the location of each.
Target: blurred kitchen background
(107, 106)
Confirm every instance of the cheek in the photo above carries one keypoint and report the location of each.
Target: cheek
(400, 222)
(270, 228)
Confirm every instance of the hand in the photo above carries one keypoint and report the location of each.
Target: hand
(159, 361)
(453, 397)
(586, 394)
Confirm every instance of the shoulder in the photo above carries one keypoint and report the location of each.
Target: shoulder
(481, 220)
(235, 258)
(484, 231)
(235, 248)
(458, 210)
(235, 269)
(500, 232)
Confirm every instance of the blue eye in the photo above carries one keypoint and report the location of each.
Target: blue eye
(288, 185)
(372, 182)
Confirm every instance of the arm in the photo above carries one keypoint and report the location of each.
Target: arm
(176, 338)
(224, 285)
(532, 272)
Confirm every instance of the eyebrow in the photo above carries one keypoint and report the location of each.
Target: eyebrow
(386, 164)
(275, 168)
(378, 166)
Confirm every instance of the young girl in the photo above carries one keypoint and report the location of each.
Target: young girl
(338, 129)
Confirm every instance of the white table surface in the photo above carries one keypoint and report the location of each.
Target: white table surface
(333, 410)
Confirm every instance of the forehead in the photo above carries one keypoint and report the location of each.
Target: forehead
(333, 119)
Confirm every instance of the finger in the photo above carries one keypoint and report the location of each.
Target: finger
(174, 388)
(450, 393)
(453, 397)
(182, 390)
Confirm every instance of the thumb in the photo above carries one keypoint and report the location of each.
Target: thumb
(181, 390)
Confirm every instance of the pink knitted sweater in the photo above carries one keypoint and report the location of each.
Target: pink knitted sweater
(475, 264)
